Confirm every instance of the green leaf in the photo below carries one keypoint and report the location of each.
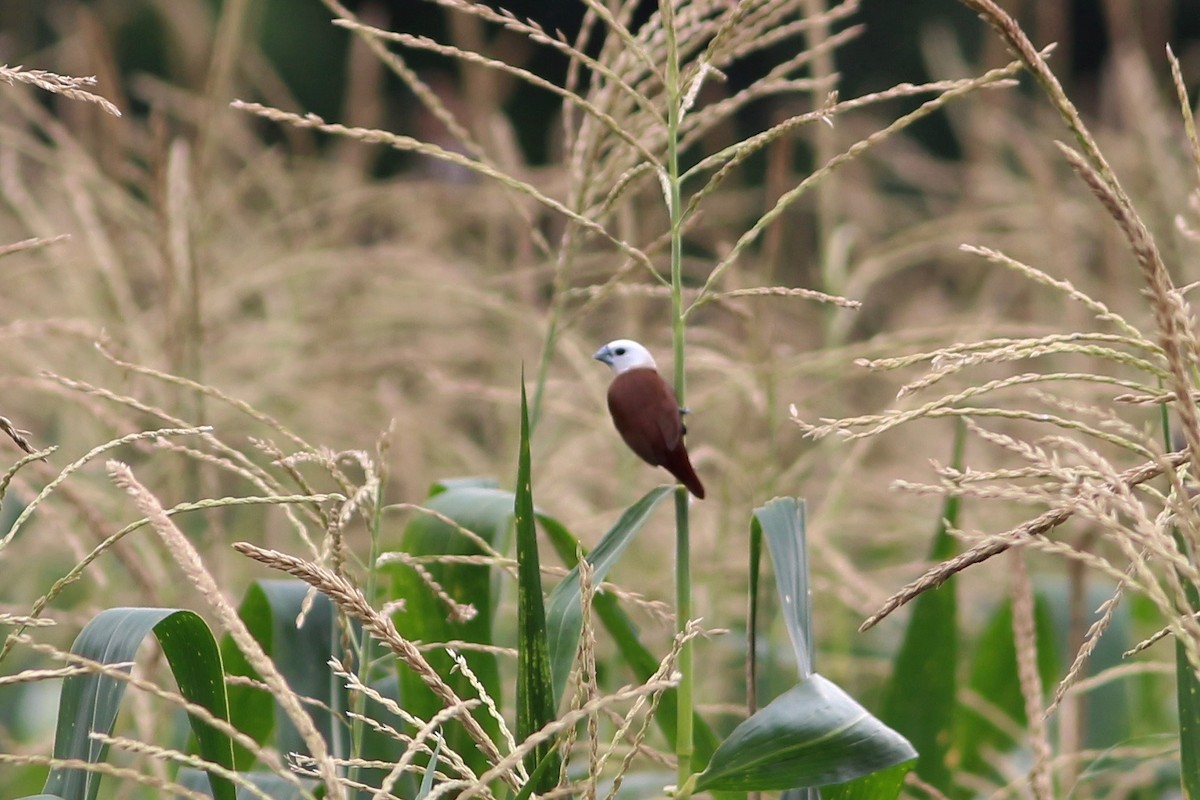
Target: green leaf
(474, 482)
(270, 609)
(487, 512)
(565, 612)
(535, 690)
(302, 655)
(539, 773)
(994, 678)
(90, 702)
(251, 709)
(882, 785)
(1187, 692)
(430, 770)
(641, 662)
(921, 698)
(755, 568)
(811, 735)
(781, 522)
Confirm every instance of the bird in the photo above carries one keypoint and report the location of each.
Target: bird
(646, 412)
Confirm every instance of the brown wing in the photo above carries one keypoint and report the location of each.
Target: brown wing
(647, 416)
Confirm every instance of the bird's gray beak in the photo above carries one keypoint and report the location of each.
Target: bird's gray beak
(605, 355)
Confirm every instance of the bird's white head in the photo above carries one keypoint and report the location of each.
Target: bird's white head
(625, 354)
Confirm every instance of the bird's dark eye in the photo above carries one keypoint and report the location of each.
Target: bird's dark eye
(620, 351)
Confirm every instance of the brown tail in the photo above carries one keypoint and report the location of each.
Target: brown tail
(679, 465)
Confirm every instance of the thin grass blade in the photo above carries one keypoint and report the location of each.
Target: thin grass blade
(882, 785)
(430, 770)
(540, 773)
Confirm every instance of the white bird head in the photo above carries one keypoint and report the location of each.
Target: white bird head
(625, 354)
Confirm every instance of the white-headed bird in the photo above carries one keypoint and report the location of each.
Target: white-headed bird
(646, 412)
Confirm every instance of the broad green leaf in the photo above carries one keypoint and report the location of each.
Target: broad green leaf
(535, 690)
(251, 709)
(90, 702)
(782, 524)
(302, 655)
(921, 697)
(564, 613)
(882, 785)
(814, 734)
(270, 609)
(641, 662)
(425, 617)
(796, 766)
(993, 679)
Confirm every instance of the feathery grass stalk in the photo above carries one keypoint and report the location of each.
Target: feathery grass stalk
(683, 578)
(358, 726)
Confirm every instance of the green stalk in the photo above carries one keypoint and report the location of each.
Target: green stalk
(683, 576)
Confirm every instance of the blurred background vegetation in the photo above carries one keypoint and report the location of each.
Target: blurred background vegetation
(342, 287)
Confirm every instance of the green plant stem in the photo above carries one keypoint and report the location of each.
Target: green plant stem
(683, 578)
(683, 612)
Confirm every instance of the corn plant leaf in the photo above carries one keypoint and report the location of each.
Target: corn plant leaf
(564, 613)
(641, 662)
(993, 677)
(300, 653)
(550, 759)
(467, 482)
(270, 610)
(535, 690)
(882, 785)
(1187, 699)
(89, 703)
(430, 769)
(921, 697)
(1187, 692)
(487, 514)
(814, 734)
(251, 708)
(781, 523)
